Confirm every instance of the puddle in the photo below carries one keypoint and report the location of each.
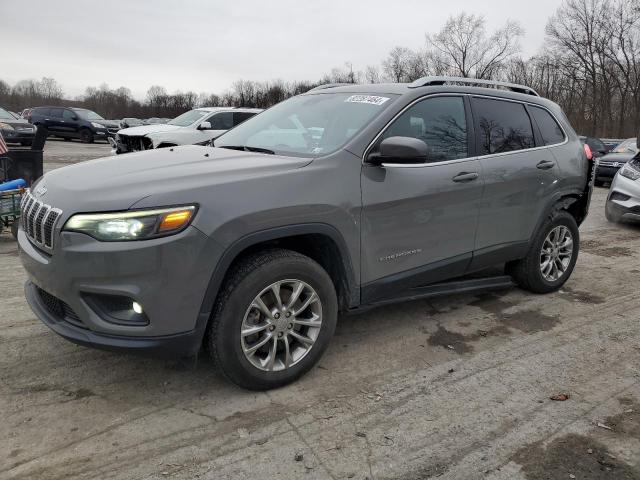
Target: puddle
(569, 455)
(580, 296)
(594, 247)
(528, 321)
(458, 342)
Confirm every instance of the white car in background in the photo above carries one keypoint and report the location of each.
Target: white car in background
(195, 127)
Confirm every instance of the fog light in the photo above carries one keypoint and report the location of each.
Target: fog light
(137, 307)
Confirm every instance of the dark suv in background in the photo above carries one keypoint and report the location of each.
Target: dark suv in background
(341, 199)
(69, 123)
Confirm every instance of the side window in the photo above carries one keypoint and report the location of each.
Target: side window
(239, 117)
(501, 126)
(68, 115)
(42, 111)
(221, 121)
(440, 122)
(549, 128)
(56, 113)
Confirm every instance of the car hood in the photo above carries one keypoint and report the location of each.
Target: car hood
(617, 157)
(146, 129)
(17, 123)
(118, 182)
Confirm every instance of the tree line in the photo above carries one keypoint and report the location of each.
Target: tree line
(589, 64)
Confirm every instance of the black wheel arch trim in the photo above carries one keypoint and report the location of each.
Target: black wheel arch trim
(276, 233)
(562, 200)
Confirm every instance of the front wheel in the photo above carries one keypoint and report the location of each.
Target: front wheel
(273, 320)
(86, 136)
(551, 257)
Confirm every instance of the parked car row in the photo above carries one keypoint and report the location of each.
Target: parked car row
(195, 127)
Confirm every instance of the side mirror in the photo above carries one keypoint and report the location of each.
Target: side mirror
(204, 126)
(400, 150)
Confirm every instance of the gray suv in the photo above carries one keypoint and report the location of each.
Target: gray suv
(341, 199)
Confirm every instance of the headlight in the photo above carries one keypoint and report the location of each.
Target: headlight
(133, 225)
(630, 171)
(5, 126)
(97, 125)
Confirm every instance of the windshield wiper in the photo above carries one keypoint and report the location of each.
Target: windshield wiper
(244, 148)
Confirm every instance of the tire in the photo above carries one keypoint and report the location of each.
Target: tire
(598, 183)
(14, 229)
(234, 310)
(67, 139)
(528, 272)
(26, 144)
(86, 136)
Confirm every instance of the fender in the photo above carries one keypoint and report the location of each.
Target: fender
(238, 246)
(560, 200)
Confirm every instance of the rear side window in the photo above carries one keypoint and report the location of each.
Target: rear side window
(68, 115)
(221, 121)
(440, 122)
(41, 111)
(501, 126)
(549, 128)
(239, 117)
(56, 112)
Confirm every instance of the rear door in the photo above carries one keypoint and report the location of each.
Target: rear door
(419, 221)
(519, 175)
(69, 123)
(54, 121)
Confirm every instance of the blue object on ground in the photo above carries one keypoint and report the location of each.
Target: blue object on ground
(13, 184)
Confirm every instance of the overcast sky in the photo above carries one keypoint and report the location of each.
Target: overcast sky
(205, 45)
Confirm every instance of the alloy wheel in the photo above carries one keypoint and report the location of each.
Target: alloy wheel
(281, 325)
(556, 253)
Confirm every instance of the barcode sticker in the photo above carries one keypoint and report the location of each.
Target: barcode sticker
(370, 99)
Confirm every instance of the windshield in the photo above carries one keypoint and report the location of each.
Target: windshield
(628, 146)
(187, 118)
(4, 115)
(307, 125)
(89, 115)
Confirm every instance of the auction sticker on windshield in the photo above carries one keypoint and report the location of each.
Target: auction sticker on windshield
(370, 99)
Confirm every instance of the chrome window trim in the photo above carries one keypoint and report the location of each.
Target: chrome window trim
(466, 159)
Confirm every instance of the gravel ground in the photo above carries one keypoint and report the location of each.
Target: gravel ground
(455, 388)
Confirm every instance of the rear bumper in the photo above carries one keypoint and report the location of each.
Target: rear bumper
(169, 346)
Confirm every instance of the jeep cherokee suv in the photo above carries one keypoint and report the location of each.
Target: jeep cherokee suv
(342, 198)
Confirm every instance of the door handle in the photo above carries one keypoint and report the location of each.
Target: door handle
(465, 177)
(545, 164)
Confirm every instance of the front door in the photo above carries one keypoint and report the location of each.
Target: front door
(419, 221)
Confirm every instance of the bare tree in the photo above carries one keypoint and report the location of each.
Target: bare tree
(465, 49)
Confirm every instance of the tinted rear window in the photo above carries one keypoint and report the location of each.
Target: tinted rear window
(501, 126)
(549, 128)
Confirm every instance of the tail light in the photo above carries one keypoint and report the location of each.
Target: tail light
(587, 151)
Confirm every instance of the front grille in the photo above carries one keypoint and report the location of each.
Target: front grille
(38, 220)
(58, 308)
(133, 144)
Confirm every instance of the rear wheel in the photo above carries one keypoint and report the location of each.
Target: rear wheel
(273, 320)
(551, 257)
(14, 229)
(67, 139)
(26, 143)
(86, 136)
(598, 183)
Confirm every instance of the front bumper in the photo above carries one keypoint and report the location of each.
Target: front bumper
(167, 276)
(169, 346)
(623, 201)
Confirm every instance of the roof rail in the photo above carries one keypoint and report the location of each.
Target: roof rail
(432, 81)
(329, 85)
